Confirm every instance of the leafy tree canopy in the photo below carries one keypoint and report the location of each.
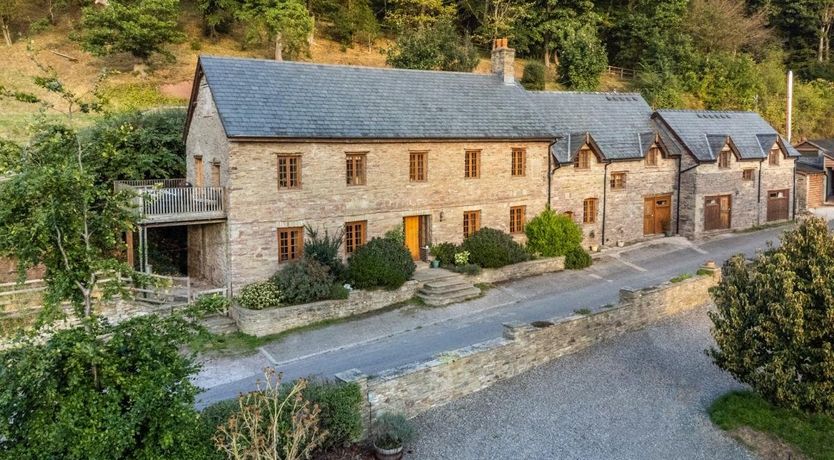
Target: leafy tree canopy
(437, 47)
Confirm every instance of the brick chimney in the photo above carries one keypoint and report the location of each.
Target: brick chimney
(503, 61)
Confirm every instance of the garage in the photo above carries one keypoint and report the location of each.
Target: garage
(777, 205)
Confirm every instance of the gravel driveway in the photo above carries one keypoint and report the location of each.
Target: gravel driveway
(641, 396)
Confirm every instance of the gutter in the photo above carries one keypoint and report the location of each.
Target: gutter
(793, 211)
(604, 199)
(678, 204)
(550, 169)
(759, 202)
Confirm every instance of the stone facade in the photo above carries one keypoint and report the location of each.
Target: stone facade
(271, 321)
(519, 270)
(810, 190)
(8, 271)
(414, 389)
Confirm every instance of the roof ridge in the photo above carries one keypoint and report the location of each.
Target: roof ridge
(705, 111)
(601, 93)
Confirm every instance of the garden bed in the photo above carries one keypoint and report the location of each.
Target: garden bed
(278, 319)
(519, 270)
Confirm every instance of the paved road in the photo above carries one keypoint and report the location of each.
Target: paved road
(412, 334)
(643, 396)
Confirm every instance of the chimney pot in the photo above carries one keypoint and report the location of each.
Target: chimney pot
(503, 61)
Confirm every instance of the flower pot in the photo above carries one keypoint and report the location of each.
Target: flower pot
(594, 248)
(388, 454)
(435, 263)
(620, 244)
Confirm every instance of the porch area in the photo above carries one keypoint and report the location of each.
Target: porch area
(174, 201)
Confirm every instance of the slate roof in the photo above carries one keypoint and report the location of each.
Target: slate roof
(704, 133)
(272, 99)
(827, 145)
(619, 124)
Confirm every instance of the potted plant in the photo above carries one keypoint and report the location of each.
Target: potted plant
(391, 431)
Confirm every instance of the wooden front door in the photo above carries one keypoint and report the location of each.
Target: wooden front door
(657, 214)
(777, 205)
(411, 226)
(717, 212)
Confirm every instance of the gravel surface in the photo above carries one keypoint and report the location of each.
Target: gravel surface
(641, 396)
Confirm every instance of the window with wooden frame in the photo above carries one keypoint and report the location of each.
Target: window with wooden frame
(198, 171)
(517, 218)
(652, 156)
(289, 171)
(519, 162)
(355, 168)
(417, 166)
(618, 181)
(569, 214)
(355, 235)
(589, 211)
(215, 174)
(290, 243)
(583, 159)
(773, 156)
(472, 164)
(724, 159)
(747, 174)
(471, 222)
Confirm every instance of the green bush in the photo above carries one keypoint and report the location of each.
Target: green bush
(468, 269)
(577, 259)
(325, 249)
(552, 234)
(445, 253)
(260, 295)
(396, 234)
(491, 248)
(341, 411)
(380, 263)
(772, 323)
(303, 281)
(339, 292)
(206, 305)
(392, 431)
(438, 47)
(534, 76)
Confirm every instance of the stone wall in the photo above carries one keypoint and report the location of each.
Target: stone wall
(207, 253)
(8, 271)
(416, 388)
(271, 321)
(810, 190)
(520, 270)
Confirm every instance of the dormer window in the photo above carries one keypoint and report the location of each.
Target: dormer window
(724, 159)
(583, 159)
(773, 156)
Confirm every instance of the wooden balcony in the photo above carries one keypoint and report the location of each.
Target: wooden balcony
(173, 201)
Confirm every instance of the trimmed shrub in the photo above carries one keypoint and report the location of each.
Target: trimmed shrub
(552, 234)
(491, 248)
(260, 295)
(341, 411)
(325, 249)
(396, 234)
(339, 292)
(462, 258)
(534, 76)
(468, 269)
(392, 431)
(302, 281)
(445, 253)
(380, 263)
(577, 259)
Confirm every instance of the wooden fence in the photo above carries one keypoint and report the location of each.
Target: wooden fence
(626, 74)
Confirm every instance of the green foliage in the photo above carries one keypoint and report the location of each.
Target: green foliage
(339, 292)
(392, 431)
(209, 305)
(341, 411)
(583, 311)
(325, 249)
(303, 281)
(59, 394)
(491, 248)
(439, 47)
(811, 434)
(534, 76)
(267, 19)
(462, 258)
(139, 27)
(772, 324)
(728, 82)
(380, 263)
(403, 15)
(552, 234)
(466, 269)
(218, 15)
(351, 22)
(260, 295)
(681, 277)
(9, 155)
(445, 253)
(396, 234)
(577, 258)
(583, 60)
(134, 96)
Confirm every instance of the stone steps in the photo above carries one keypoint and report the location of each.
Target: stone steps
(219, 324)
(445, 287)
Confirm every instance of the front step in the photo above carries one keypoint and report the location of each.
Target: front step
(439, 299)
(219, 324)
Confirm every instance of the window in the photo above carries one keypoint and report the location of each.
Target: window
(569, 214)
(618, 181)
(198, 171)
(724, 159)
(290, 243)
(651, 156)
(517, 218)
(773, 156)
(289, 168)
(583, 159)
(519, 164)
(471, 222)
(355, 235)
(215, 174)
(417, 163)
(472, 165)
(589, 211)
(355, 168)
(747, 174)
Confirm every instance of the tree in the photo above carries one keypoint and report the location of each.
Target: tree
(495, 18)
(139, 27)
(549, 23)
(583, 60)
(552, 234)
(10, 11)
(217, 14)
(773, 323)
(287, 22)
(412, 15)
(438, 47)
(534, 76)
(725, 25)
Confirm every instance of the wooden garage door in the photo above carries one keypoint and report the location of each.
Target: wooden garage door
(777, 205)
(717, 211)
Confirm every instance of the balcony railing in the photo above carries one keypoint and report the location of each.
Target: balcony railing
(172, 200)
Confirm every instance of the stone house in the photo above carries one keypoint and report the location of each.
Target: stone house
(735, 171)
(815, 173)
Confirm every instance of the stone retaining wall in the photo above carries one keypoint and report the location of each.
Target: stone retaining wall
(275, 320)
(416, 388)
(520, 270)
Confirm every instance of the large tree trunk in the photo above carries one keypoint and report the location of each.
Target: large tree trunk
(279, 47)
(546, 57)
(7, 34)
